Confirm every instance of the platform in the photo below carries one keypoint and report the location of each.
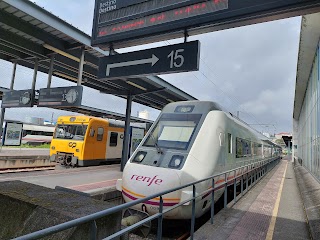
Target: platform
(84, 179)
(272, 209)
(9, 153)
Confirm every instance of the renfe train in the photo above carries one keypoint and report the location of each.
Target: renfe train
(190, 141)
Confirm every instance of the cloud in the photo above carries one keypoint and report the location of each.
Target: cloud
(249, 69)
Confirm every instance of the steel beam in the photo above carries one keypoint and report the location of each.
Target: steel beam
(50, 71)
(125, 147)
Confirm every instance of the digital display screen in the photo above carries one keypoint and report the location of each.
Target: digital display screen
(164, 17)
(109, 12)
(179, 134)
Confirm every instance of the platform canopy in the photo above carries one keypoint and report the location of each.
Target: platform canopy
(309, 40)
(29, 32)
(104, 114)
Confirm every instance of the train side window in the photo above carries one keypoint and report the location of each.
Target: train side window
(221, 139)
(229, 143)
(100, 134)
(113, 139)
(91, 132)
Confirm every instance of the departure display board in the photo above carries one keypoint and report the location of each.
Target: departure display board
(113, 18)
(123, 23)
(60, 97)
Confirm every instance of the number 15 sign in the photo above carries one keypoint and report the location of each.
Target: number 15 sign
(182, 57)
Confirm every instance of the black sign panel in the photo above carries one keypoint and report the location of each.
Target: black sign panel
(20, 98)
(170, 59)
(141, 22)
(60, 97)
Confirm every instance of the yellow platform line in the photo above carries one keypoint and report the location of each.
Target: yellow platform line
(276, 208)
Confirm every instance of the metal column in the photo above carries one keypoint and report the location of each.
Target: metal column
(125, 147)
(81, 67)
(3, 110)
(50, 71)
(35, 72)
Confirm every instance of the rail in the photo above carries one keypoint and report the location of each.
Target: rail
(254, 171)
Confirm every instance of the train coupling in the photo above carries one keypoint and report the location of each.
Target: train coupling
(132, 216)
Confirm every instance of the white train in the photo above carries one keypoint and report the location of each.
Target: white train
(190, 141)
(37, 133)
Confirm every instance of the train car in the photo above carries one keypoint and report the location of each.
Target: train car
(86, 141)
(38, 134)
(190, 141)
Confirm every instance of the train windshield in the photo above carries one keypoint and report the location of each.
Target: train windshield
(173, 131)
(75, 132)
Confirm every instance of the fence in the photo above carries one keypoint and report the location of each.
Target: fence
(253, 171)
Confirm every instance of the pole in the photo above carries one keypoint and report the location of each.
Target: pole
(125, 147)
(3, 110)
(50, 71)
(81, 67)
(13, 75)
(35, 72)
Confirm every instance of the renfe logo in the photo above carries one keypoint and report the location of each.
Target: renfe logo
(149, 180)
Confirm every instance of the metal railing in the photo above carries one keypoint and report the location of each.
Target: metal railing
(254, 171)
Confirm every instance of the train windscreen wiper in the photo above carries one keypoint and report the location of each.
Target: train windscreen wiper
(156, 145)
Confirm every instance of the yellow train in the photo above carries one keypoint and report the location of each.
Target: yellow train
(86, 141)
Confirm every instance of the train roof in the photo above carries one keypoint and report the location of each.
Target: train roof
(195, 106)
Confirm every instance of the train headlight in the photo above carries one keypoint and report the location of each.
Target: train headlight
(175, 161)
(139, 156)
(53, 147)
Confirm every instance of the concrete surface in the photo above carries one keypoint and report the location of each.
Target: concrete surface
(83, 179)
(20, 152)
(310, 192)
(250, 217)
(26, 208)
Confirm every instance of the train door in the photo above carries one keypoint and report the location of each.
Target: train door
(114, 144)
(100, 142)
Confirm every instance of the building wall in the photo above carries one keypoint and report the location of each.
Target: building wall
(309, 122)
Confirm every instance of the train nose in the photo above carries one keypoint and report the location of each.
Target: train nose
(140, 182)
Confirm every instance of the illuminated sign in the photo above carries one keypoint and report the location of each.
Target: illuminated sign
(114, 17)
(123, 23)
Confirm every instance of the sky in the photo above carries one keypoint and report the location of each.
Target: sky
(250, 69)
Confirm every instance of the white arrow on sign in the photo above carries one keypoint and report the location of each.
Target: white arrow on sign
(153, 60)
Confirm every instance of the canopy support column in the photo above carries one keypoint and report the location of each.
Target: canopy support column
(125, 147)
(3, 110)
(50, 71)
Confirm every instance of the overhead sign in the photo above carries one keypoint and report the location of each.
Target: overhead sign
(169, 59)
(124, 22)
(12, 134)
(60, 97)
(18, 98)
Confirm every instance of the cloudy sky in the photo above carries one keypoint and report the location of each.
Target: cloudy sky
(250, 69)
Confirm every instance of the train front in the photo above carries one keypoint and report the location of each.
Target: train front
(68, 140)
(161, 160)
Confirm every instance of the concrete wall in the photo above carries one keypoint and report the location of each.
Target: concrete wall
(26, 208)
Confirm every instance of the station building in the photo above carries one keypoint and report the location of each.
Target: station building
(306, 112)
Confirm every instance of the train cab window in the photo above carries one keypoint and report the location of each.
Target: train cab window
(174, 131)
(113, 139)
(229, 143)
(100, 134)
(91, 132)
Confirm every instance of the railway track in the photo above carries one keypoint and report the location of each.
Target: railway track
(26, 169)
